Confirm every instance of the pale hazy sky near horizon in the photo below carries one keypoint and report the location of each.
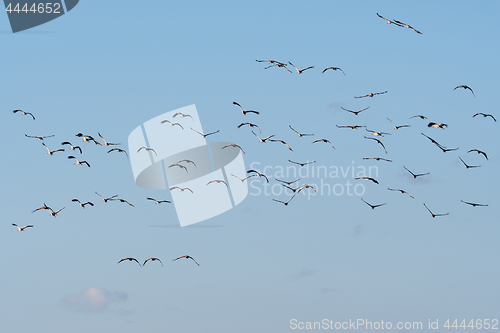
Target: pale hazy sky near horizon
(110, 66)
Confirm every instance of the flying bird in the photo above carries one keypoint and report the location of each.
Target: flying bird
(243, 179)
(474, 204)
(178, 165)
(291, 189)
(404, 25)
(152, 259)
(182, 189)
(171, 123)
(372, 94)
(484, 115)
(465, 87)
(479, 152)
(400, 191)
(71, 147)
(355, 112)
(262, 140)
(118, 150)
(434, 215)
(299, 134)
(436, 125)
(106, 199)
(158, 201)
(187, 257)
(420, 116)
(302, 70)
(38, 137)
(51, 152)
(88, 138)
(188, 161)
(268, 61)
(468, 166)
(377, 159)
(398, 127)
(182, 115)
(388, 21)
(333, 68)
(381, 134)
(282, 142)
(147, 149)
(301, 164)
(218, 181)
(378, 141)
(130, 259)
(287, 202)
(325, 141)
(54, 213)
(105, 142)
(443, 148)
(351, 126)
(273, 63)
(416, 175)
(249, 125)
(79, 162)
(244, 112)
(373, 206)
(122, 200)
(83, 204)
(205, 135)
(304, 187)
(22, 228)
(288, 183)
(42, 207)
(368, 178)
(233, 145)
(279, 64)
(24, 113)
(258, 174)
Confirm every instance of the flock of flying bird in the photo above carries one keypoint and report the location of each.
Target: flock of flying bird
(371, 136)
(89, 139)
(288, 185)
(270, 138)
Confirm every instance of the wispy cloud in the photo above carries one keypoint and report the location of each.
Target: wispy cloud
(358, 229)
(324, 290)
(304, 272)
(94, 300)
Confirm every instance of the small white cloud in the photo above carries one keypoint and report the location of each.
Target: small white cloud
(94, 300)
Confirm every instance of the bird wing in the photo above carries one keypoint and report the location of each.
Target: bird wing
(294, 67)
(382, 17)
(428, 209)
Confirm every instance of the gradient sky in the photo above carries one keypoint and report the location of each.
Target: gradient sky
(110, 66)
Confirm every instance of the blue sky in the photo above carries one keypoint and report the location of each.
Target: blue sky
(110, 66)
